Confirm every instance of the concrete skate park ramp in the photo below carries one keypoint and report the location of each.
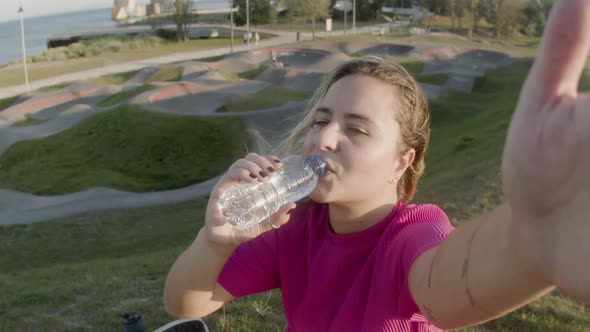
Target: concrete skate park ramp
(292, 79)
(205, 88)
(142, 76)
(300, 57)
(47, 106)
(472, 63)
(485, 56)
(464, 67)
(385, 50)
(193, 69)
(196, 100)
(290, 57)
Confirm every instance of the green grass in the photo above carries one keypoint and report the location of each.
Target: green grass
(27, 122)
(229, 76)
(166, 74)
(88, 270)
(468, 132)
(253, 73)
(54, 88)
(115, 79)
(13, 75)
(517, 46)
(109, 263)
(124, 95)
(412, 65)
(124, 148)
(212, 58)
(269, 97)
(7, 102)
(337, 24)
(436, 79)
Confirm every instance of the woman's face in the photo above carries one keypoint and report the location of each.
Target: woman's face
(355, 131)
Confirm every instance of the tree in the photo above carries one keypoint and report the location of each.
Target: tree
(474, 13)
(534, 15)
(261, 12)
(460, 11)
(311, 10)
(504, 15)
(183, 18)
(451, 7)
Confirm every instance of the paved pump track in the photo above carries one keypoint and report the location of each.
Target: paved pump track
(204, 87)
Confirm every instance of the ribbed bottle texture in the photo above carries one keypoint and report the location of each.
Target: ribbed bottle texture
(248, 204)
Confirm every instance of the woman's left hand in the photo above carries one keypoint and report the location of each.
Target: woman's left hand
(546, 163)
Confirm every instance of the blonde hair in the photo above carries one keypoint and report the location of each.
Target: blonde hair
(413, 117)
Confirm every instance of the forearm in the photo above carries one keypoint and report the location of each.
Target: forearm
(192, 280)
(474, 276)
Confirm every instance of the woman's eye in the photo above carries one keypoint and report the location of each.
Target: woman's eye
(320, 123)
(357, 131)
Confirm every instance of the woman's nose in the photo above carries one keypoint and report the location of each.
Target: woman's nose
(327, 139)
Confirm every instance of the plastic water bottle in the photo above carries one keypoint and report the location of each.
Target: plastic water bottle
(250, 203)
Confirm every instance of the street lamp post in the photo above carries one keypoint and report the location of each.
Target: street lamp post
(22, 37)
(231, 25)
(345, 15)
(354, 17)
(248, 23)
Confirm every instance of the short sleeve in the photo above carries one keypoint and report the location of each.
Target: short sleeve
(427, 228)
(253, 267)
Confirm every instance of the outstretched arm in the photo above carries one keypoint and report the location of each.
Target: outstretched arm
(493, 266)
(474, 275)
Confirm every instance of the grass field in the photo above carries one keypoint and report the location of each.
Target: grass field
(27, 122)
(7, 102)
(13, 75)
(125, 148)
(517, 46)
(253, 73)
(84, 272)
(116, 79)
(120, 97)
(268, 97)
(166, 74)
(54, 88)
(109, 263)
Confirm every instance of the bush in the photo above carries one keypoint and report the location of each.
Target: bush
(94, 47)
(166, 34)
(78, 50)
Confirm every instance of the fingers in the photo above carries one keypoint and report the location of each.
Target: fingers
(253, 168)
(563, 53)
(282, 216)
(267, 165)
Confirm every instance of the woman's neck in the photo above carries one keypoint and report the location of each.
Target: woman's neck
(353, 218)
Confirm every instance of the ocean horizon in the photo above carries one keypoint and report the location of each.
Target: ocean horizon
(38, 29)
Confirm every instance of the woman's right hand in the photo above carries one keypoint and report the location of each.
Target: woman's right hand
(252, 169)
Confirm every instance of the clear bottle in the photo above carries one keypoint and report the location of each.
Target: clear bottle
(250, 203)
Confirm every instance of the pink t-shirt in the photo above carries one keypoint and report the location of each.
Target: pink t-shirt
(340, 282)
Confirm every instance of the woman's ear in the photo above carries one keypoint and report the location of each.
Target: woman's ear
(404, 162)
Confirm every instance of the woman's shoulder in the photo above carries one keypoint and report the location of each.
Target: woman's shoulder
(421, 213)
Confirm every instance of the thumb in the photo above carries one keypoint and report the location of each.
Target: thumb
(282, 215)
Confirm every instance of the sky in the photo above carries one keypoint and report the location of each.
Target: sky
(8, 8)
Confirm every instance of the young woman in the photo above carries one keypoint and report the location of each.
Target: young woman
(357, 256)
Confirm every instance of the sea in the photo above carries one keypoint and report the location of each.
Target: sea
(39, 29)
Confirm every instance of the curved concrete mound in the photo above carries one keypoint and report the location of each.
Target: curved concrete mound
(205, 87)
(47, 106)
(384, 50)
